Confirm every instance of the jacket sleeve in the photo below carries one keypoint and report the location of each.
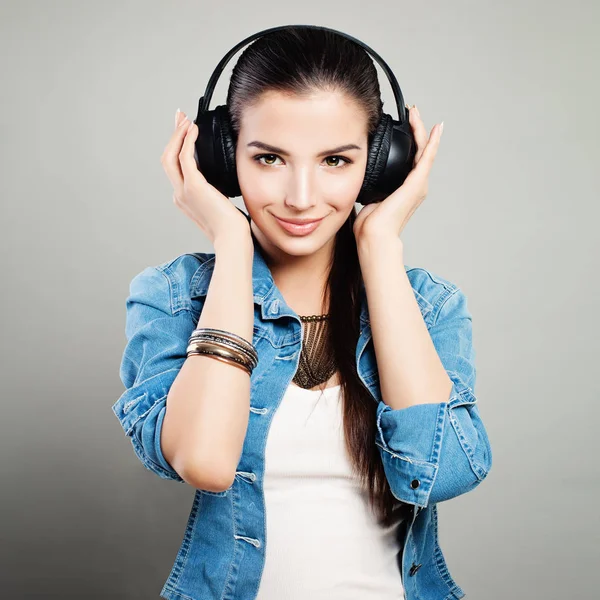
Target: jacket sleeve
(434, 452)
(155, 351)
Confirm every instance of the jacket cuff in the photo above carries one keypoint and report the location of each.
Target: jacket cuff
(410, 439)
(141, 410)
(146, 442)
(139, 399)
(434, 452)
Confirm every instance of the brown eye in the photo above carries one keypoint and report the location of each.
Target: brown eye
(337, 160)
(268, 158)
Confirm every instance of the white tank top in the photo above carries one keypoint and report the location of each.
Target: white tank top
(322, 540)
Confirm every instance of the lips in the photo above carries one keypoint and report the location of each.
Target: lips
(299, 221)
(299, 227)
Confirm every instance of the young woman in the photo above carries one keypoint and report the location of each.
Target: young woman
(318, 475)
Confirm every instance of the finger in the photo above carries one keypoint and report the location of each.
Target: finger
(186, 156)
(429, 152)
(173, 146)
(419, 131)
(417, 178)
(170, 156)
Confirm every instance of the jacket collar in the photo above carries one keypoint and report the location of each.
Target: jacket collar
(266, 293)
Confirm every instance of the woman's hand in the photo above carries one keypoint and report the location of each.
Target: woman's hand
(213, 212)
(387, 219)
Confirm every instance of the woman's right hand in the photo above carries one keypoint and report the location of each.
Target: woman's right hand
(213, 212)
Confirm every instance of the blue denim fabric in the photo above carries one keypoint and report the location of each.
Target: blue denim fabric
(430, 452)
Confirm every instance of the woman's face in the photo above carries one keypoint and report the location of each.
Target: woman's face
(301, 158)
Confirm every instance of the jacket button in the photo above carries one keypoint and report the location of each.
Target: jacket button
(414, 569)
(415, 483)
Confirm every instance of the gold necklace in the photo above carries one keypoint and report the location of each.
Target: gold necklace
(316, 364)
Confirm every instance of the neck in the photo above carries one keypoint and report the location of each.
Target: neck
(302, 280)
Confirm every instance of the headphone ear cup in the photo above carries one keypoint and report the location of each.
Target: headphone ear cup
(390, 159)
(379, 147)
(214, 150)
(228, 143)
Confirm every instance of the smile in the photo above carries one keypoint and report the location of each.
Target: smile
(298, 228)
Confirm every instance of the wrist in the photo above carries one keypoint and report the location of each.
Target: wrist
(380, 245)
(237, 242)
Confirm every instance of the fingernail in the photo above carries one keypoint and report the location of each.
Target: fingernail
(183, 120)
(442, 128)
(416, 110)
(177, 117)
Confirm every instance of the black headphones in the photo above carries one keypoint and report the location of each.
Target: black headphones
(391, 152)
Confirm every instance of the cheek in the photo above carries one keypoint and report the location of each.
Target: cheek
(256, 188)
(345, 188)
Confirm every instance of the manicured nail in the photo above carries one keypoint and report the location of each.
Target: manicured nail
(177, 117)
(416, 110)
(442, 128)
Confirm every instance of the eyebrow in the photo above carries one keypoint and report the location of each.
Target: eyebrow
(276, 150)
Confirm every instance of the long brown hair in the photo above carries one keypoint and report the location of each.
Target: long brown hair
(299, 61)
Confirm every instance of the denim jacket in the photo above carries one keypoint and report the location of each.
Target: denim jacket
(430, 452)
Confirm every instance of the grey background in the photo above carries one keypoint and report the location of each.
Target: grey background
(89, 93)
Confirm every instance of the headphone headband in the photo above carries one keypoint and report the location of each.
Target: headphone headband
(212, 82)
(391, 146)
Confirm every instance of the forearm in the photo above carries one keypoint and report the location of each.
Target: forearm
(410, 370)
(209, 402)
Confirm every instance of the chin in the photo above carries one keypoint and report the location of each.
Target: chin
(301, 245)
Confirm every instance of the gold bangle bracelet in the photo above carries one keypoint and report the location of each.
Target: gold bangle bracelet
(222, 359)
(226, 334)
(250, 355)
(215, 349)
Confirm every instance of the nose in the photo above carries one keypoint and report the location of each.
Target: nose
(301, 189)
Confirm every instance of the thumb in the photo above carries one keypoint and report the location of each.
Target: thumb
(188, 161)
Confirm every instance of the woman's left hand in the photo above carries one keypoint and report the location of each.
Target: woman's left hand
(386, 219)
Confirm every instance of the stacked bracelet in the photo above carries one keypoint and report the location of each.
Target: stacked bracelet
(225, 346)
